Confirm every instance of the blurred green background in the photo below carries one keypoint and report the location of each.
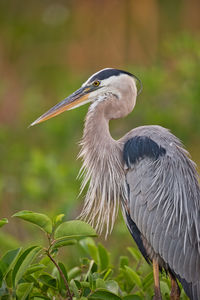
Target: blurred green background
(47, 49)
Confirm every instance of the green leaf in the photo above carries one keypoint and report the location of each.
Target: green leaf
(48, 280)
(112, 286)
(78, 284)
(45, 260)
(108, 274)
(3, 222)
(93, 251)
(24, 262)
(103, 257)
(8, 279)
(41, 220)
(124, 261)
(164, 288)
(89, 247)
(30, 278)
(34, 268)
(74, 272)
(62, 267)
(85, 243)
(133, 276)
(38, 296)
(92, 263)
(61, 281)
(147, 281)
(74, 288)
(58, 219)
(85, 284)
(135, 253)
(132, 297)
(63, 242)
(100, 283)
(104, 295)
(7, 262)
(23, 290)
(74, 230)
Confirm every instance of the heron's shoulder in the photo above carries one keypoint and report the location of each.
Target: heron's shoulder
(156, 132)
(160, 135)
(151, 141)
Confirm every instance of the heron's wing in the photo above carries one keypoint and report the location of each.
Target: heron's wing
(164, 199)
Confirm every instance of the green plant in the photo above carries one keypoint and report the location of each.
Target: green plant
(24, 273)
(37, 273)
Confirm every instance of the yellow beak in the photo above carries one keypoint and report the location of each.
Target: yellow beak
(76, 99)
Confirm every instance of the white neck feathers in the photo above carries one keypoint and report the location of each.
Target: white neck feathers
(102, 168)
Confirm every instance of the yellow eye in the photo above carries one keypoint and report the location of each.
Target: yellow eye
(96, 83)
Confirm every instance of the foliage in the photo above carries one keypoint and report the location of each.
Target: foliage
(47, 50)
(38, 165)
(36, 272)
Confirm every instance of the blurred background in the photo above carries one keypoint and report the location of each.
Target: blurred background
(47, 50)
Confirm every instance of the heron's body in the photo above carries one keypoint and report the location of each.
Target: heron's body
(164, 203)
(148, 173)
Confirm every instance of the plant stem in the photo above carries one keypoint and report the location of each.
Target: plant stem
(61, 274)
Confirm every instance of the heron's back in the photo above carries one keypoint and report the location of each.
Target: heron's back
(164, 202)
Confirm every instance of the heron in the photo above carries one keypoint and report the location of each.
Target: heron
(147, 172)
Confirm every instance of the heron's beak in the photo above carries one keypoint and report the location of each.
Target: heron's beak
(76, 99)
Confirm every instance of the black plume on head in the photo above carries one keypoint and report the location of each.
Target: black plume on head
(106, 73)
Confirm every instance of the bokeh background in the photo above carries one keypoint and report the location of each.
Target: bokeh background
(47, 49)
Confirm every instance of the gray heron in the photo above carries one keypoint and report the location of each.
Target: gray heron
(147, 172)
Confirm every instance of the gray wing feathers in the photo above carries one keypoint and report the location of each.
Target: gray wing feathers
(165, 205)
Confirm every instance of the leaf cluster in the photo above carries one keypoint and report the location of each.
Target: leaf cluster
(35, 272)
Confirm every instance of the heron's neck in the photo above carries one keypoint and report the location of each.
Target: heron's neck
(96, 132)
(102, 168)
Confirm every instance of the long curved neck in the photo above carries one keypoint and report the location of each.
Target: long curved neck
(102, 167)
(96, 134)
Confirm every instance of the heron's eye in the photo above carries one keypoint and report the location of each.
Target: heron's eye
(96, 83)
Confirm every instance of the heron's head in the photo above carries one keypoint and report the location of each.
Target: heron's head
(113, 89)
